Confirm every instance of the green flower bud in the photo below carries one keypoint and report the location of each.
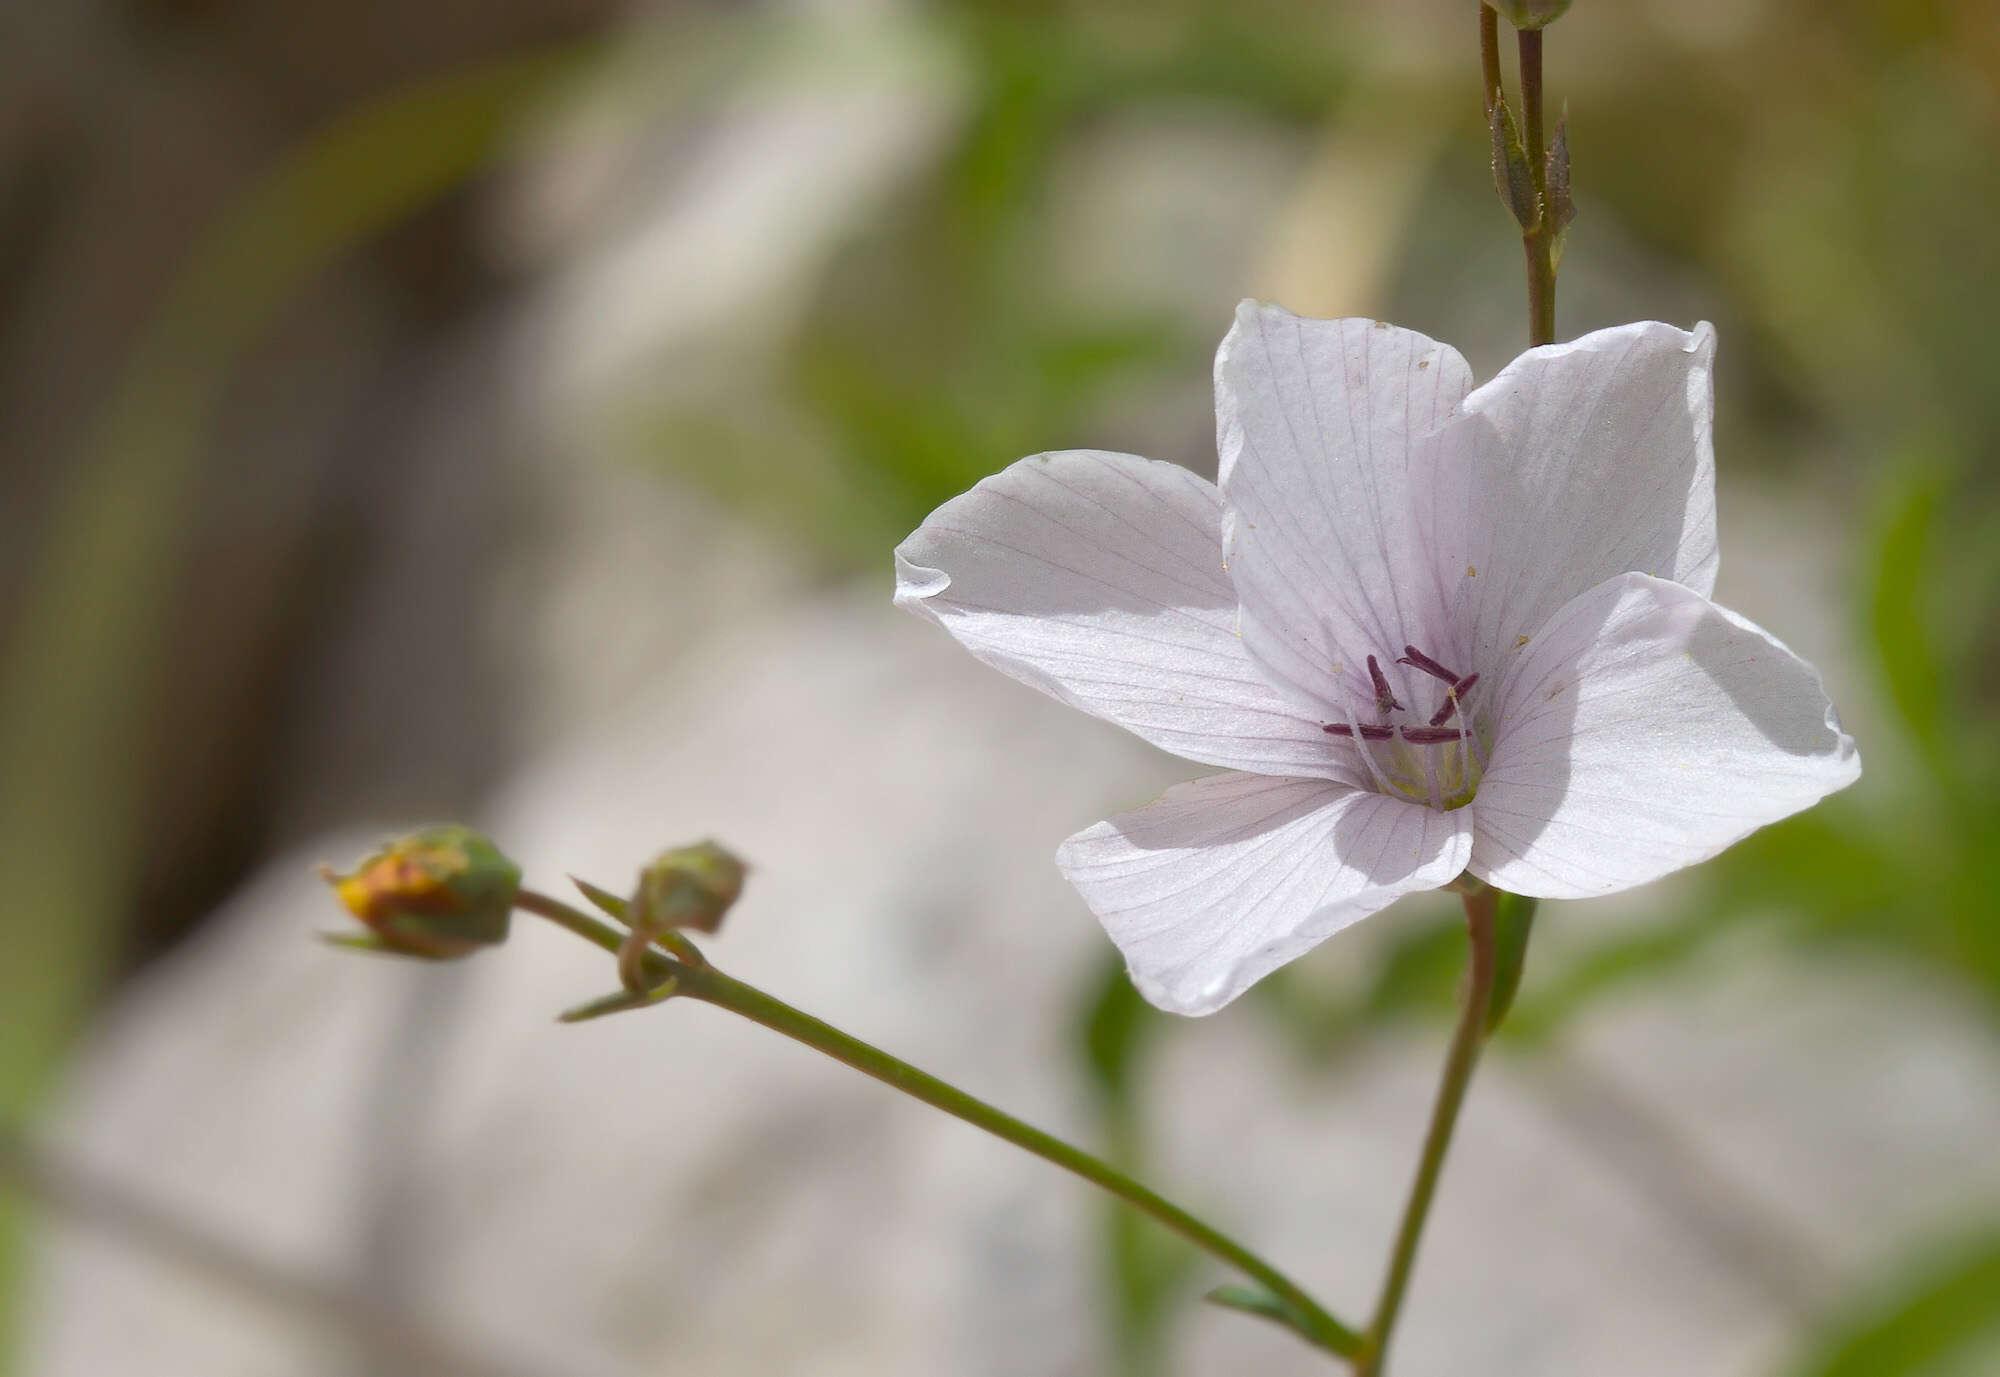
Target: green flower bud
(1529, 14)
(689, 887)
(440, 893)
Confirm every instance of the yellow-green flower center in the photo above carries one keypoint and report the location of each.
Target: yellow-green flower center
(1436, 762)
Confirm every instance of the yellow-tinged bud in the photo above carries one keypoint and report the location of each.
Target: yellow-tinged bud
(1530, 14)
(440, 893)
(688, 887)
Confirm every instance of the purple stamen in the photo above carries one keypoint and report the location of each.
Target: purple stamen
(1401, 773)
(1430, 736)
(1453, 697)
(1385, 698)
(1368, 733)
(1416, 659)
(1416, 736)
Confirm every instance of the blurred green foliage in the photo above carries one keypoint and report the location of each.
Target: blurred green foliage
(68, 740)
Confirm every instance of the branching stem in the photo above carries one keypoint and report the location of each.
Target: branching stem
(1297, 1310)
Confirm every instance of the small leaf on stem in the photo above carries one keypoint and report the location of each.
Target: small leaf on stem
(1255, 1300)
(1562, 209)
(610, 903)
(618, 1003)
(1513, 175)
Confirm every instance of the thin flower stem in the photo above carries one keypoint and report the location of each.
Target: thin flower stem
(1481, 908)
(1489, 55)
(1299, 1311)
(1531, 92)
(1539, 242)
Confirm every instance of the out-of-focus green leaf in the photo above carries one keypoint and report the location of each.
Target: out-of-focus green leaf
(1924, 1327)
(1513, 925)
(1073, 363)
(1900, 616)
(739, 458)
(1420, 969)
(1610, 965)
(1144, 1267)
(1117, 1028)
(90, 620)
(1417, 971)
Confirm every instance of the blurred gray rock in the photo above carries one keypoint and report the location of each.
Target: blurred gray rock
(678, 1191)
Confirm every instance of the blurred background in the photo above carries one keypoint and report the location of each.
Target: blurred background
(505, 411)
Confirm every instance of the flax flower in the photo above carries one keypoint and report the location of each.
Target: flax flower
(1424, 629)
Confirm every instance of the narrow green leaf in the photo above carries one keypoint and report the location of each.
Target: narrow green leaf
(617, 1003)
(612, 905)
(1253, 1300)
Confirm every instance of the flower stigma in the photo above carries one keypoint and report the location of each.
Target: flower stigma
(1430, 761)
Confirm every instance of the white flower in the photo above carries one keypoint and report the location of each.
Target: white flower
(1425, 629)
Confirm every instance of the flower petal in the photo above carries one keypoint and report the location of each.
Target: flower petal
(1098, 579)
(1325, 429)
(1222, 880)
(1642, 730)
(1579, 462)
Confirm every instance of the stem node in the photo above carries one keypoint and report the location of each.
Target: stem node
(1280, 1298)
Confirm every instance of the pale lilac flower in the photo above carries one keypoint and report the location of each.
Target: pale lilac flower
(1425, 629)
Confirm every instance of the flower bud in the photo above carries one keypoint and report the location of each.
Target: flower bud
(440, 893)
(689, 887)
(1529, 14)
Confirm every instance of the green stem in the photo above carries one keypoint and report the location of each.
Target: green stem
(1539, 242)
(1303, 1314)
(1481, 908)
(1489, 55)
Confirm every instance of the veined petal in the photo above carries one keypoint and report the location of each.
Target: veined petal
(1579, 462)
(1098, 579)
(1642, 730)
(1326, 430)
(1222, 880)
